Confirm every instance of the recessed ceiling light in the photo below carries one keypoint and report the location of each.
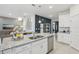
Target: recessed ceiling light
(19, 19)
(9, 14)
(39, 21)
(50, 15)
(25, 14)
(50, 7)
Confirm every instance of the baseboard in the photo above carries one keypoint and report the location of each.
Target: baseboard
(62, 43)
(74, 48)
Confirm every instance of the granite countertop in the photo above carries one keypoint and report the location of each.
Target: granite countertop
(9, 43)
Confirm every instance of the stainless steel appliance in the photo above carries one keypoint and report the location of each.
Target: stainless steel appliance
(55, 27)
(50, 43)
(7, 26)
(45, 28)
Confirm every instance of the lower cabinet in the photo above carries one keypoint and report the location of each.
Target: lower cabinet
(19, 50)
(64, 37)
(38, 47)
(60, 37)
(26, 49)
(9, 51)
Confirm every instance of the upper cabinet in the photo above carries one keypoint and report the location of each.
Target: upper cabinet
(64, 20)
(29, 23)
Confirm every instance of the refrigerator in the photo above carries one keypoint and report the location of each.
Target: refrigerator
(45, 28)
(55, 27)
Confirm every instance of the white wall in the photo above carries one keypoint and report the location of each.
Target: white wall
(74, 10)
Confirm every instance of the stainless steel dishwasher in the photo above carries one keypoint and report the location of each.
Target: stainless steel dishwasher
(50, 43)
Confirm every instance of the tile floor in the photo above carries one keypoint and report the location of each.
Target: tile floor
(61, 48)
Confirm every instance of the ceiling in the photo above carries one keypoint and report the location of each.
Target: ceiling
(20, 10)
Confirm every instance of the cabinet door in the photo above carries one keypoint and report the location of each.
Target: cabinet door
(21, 48)
(44, 46)
(61, 21)
(64, 37)
(39, 47)
(9, 51)
(64, 20)
(36, 49)
(67, 38)
(7, 43)
(60, 37)
(26, 51)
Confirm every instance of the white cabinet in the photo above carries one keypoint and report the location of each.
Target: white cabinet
(19, 50)
(22, 49)
(39, 47)
(7, 43)
(64, 20)
(9, 51)
(27, 51)
(64, 37)
(75, 32)
(61, 21)
(60, 37)
(67, 38)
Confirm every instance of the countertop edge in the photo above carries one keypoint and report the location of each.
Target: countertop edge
(26, 43)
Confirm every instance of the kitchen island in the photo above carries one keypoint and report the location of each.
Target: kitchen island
(26, 45)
